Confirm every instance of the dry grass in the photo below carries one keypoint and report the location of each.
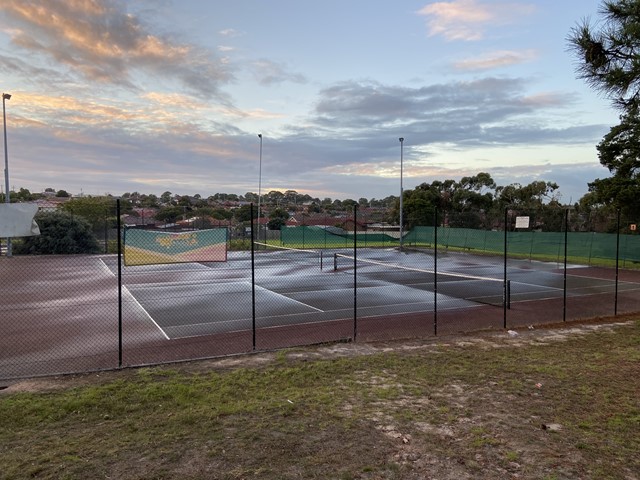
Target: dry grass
(549, 404)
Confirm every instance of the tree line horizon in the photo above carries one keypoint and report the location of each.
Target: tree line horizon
(474, 201)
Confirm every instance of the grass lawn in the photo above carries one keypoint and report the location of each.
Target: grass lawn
(546, 404)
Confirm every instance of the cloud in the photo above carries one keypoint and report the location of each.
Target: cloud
(502, 58)
(482, 111)
(101, 42)
(467, 19)
(268, 73)
(32, 74)
(230, 33)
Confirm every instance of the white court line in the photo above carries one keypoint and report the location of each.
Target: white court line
(289, 298)
(124, 287)
(107, 267)
(227, 321)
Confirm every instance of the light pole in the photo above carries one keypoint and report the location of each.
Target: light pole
(6, 96)
(259, 183)
(401, 190)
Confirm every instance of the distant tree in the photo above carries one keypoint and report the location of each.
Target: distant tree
(166, 197)
(274, 197)
(315, 208)
(62, 193)
(291, 197)
(592, 215)
(538, 200)
(389, 201)
(619, 151)
(348, 204)
(276, 223)
(243, 214)
(170, 214)
(184, 201)
(49, 190)
(24, 195)
(277, 219)
(418, 205)
(222, 214)
(149, 201)
(60, 233)
(97, 211)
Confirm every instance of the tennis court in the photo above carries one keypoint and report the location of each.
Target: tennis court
(292, 287)
(68, 314)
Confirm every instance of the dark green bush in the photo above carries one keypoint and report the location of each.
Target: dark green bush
(60, 233)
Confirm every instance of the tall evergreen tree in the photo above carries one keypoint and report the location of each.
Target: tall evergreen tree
(609, 61)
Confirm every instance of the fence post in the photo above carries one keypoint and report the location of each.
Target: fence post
(253, 284)
(326, 225)
(615, 303)
(106, 230)
(504, 286)
(435, 274)
(355, 277)
(564, 287)
(119, 224)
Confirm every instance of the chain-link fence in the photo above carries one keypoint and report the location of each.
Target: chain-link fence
(138, 296)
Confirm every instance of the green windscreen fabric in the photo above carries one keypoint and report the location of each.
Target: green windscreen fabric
(147, 247)
(580, 245)
(330, 237)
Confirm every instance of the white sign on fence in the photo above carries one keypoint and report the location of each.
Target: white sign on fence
(16, 220)
(522, 222)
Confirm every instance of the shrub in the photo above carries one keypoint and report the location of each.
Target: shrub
(60, 233)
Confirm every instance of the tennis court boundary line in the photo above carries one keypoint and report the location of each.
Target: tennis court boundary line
(125, 289)
(291, 299)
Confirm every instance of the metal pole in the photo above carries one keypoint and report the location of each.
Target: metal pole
(504, 286)
(259, 184)
(564, 288)
(401, 189)
(253, 283)
(615, 301)
(355, 276)
(119, 226)
(7, 199)
(435, 274)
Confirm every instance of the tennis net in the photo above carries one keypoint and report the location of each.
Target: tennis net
(274, 255)
(474, 288)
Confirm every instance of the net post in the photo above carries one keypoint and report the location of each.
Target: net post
(320, 259)
(335, 262)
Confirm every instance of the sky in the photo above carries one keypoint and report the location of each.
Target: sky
(117, 96)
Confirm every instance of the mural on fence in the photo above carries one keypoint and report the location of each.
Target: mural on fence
(146, 247)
